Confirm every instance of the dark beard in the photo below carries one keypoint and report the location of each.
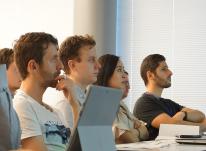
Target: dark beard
(166, 86)
(161, 83)
(53, 83)
(49, 83)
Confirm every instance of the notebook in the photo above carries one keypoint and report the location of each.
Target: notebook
(94, 128)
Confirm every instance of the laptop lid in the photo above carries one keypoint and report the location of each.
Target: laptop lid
(94, 128)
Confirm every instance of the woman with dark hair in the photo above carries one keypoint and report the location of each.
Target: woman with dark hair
(126, 127)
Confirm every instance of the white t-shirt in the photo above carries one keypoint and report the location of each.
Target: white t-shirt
(57, 100)
(36, 120)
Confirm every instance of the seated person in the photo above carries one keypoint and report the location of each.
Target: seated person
(9, 123)
(78, 55)
(13, 76)
(43, 128)
(154, 109)
(126, 128)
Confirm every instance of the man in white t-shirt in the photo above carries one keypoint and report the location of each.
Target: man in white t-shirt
(78, 55)
(43, 128)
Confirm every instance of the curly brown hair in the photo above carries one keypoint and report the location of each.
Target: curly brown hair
(31, 46)
(69, 49)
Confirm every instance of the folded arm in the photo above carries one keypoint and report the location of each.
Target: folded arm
(138, 133)
(176, 119)
(194, 115)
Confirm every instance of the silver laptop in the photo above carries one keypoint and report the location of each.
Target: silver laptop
(94, 128)
(197, 139)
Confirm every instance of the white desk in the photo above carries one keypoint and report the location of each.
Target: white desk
(183, 147)
(177, 147)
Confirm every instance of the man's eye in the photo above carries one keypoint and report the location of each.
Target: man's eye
(119, 70)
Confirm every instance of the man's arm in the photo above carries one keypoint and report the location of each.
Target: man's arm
(164, 118)
(129, 136)
(34, 143)
(193, 115)
(75, 109)
(176, 119)
(67, 86)
(66, 111)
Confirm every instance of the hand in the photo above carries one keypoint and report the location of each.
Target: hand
(144, 134)
(137, 124)
(67, 86)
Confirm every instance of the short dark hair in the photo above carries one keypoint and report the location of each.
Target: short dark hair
(6, 56)
(31, 46)
(69, 49)
(108, 64)
(150, 63)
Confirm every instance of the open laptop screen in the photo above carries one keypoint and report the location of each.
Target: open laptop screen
(94, 128)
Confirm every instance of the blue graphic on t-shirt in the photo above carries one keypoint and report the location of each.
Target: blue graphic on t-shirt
(60, 130)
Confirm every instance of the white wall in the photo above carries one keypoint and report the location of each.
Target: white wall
(20, 16)
(97, 18)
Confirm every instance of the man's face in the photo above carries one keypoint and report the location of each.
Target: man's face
(162, 76)
(50, 67)
(14, 78)
(87, 68)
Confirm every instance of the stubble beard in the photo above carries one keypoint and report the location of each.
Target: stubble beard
(52, 82)
(163, 83)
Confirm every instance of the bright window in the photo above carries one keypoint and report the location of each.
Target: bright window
(174, 28)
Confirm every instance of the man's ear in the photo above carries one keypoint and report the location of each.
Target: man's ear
(150, 75)
(32, 65)
(71, 65)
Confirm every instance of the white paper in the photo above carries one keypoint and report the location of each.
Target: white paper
(174, 130)
(143, 145)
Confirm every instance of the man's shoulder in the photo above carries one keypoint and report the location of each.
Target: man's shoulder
(167, 100)
(20, 97)
(146, 97)
(22, 102)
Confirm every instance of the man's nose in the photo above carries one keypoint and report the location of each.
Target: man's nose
(170, 72)
(98, 65)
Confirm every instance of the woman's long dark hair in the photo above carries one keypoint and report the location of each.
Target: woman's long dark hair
(108, 64)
